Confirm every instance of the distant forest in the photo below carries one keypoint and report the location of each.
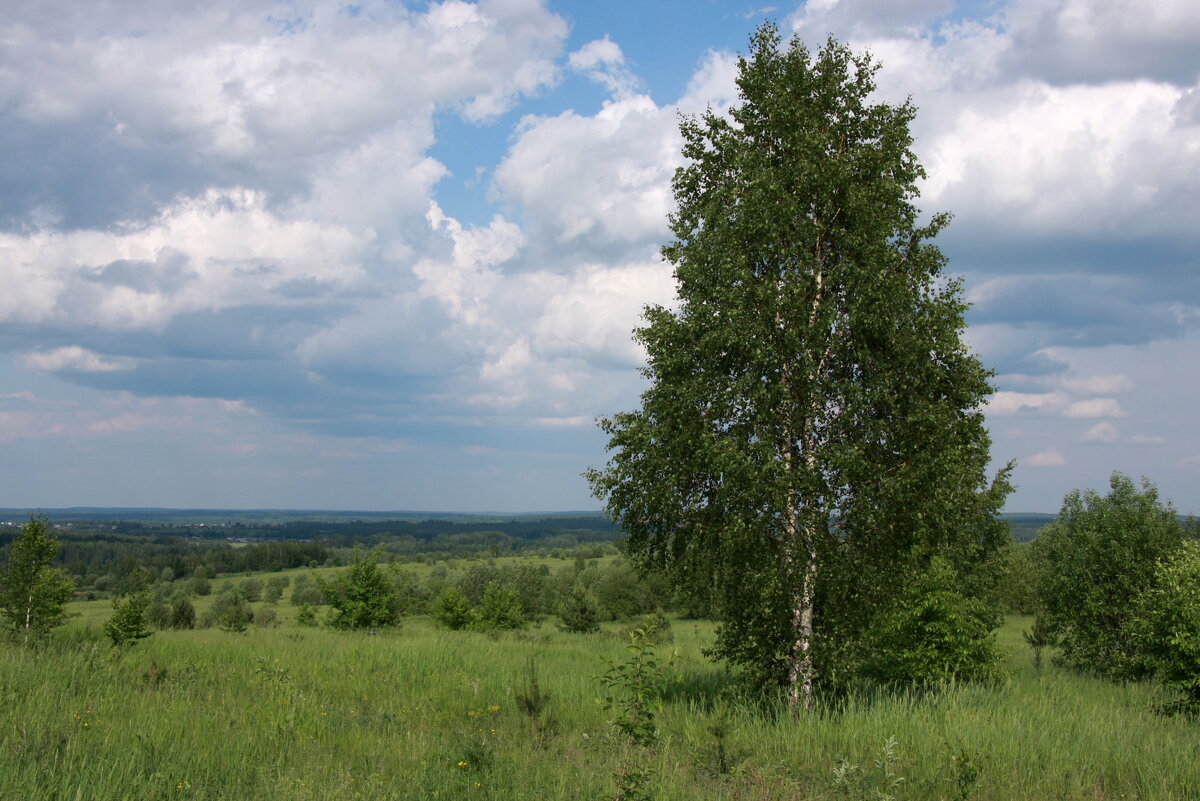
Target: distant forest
(103, 552)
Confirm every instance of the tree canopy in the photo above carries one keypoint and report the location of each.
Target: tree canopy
(1096, 562)
(812, 436)
(33, 595)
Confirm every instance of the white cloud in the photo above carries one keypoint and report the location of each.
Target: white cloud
(603, 181)
(222, 249)
(1007, 403)
(1051, 457)
(1146, 439)
(1003, 404)
(603, 62)
(1098, 384)
(74, 358)
(1094, 407)
(1104, 432)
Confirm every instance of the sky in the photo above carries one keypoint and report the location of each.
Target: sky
(388, 255)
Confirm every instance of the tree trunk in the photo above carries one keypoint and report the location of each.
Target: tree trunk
(801, 671)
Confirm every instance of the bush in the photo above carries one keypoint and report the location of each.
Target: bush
(933, 634)
(305, 593)
(183, 614)
(158, 613)
(252, 589)
(579, 613)
(228, 610)
(361, 596)
(128, 622)
(237, 615)
(499, 609)
(266, 618)
(1168, 627)
(452, 609)
(1094, 563)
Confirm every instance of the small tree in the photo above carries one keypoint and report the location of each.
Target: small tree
(579, 612)
(33, 595)
(935, 633)
(183, 614)
(500, 608)
(128, 622)
(1168, 626)
(252, 589)
(362, 596)
(452, 609)
(1095, 562)
(237, 615)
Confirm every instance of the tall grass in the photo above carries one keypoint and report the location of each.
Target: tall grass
(419, 713)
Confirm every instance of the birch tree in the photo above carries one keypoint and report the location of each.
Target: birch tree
(33, 595)
(812, 435)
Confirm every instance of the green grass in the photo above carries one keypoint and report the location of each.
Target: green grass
(294, 713)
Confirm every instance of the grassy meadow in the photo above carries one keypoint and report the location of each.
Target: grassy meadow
(422, 713)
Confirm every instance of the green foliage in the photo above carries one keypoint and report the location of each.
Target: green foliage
(933, 634)
(534, 702)
(236, 615)
(362, 595)
(306, 616)
(579, 612)
(1168, 624)
(252, 589)
(452, 609)
(158, 613)
(1018, 583)
(619, 593)
(33, 595)
(812, 432)
(306, 593)
(128, 622)
(881, 784)
(183, 614)
(633, 689)
(1038, 637)
(499, 609)
(1095, 562)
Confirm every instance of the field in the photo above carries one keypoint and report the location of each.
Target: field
(421, 713)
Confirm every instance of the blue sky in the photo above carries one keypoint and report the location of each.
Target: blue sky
(387, 255)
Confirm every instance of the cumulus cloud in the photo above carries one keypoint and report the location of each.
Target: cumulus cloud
(602, 61)
(1051, 457)
(73, 358)
(1104, 432)
(243, 202)
(1007, 403)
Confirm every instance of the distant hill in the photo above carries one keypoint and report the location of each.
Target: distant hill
(1025, 525)
(274, 516)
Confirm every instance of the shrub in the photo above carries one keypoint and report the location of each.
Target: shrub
(183, 614)
(237, 615)
(128, 623)
(252, 589)
(499, 609)
(1095, 561)
(1168, 628)
(578, 612)
(452, 609)
(266, 618)
(158, 613)
(934, 633)
(361, 596)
